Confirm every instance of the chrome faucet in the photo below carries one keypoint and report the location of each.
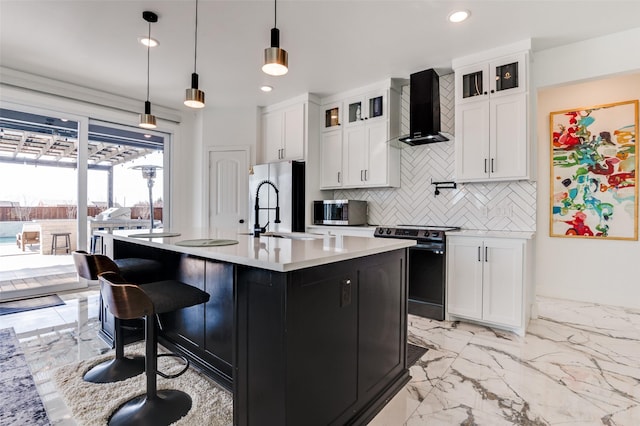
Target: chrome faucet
(257, 229)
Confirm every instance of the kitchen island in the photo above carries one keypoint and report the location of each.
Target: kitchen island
(303, 329)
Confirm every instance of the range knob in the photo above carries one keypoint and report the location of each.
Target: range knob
(380, 231)
(388, 231)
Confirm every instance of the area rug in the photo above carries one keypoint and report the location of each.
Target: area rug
(20, 403)
(22, 305)
(92, 404)
(414, 353)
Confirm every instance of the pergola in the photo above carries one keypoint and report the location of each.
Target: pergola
(32, 139)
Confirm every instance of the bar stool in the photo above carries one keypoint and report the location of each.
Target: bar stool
(54, 241)
(125, 300)
(90, 267)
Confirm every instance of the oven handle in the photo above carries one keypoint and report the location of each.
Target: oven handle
(434, 248)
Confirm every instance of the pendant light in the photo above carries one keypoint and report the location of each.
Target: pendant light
(147, 120)
(195, 97)
(275, 59)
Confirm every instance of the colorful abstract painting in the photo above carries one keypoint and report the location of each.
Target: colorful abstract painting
(593, 172)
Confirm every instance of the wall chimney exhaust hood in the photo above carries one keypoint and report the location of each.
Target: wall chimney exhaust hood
(424, 109)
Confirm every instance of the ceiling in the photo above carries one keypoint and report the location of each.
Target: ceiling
(333, 45)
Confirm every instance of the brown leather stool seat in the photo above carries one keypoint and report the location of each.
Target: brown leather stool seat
(125, 300)
(90, 266)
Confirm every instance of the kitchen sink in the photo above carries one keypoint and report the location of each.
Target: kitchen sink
(293, 235)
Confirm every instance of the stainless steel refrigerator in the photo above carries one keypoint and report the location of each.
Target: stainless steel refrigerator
(288, 178)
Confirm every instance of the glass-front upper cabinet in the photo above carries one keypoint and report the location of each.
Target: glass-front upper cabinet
(503, 76)
(365, 108)
(331, 118)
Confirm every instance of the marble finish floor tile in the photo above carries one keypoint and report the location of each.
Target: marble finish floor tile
(579, 364)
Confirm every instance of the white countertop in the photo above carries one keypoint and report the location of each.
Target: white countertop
(489, 234)
(276, 254)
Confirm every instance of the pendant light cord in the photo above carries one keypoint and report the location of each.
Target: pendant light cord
(148, 59)
(275, 13)
(195, 53)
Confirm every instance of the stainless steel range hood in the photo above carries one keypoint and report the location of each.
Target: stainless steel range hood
(424, 109)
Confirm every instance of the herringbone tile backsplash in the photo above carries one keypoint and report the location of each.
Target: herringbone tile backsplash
(509, 206)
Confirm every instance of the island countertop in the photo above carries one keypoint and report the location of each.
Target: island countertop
(266, 252)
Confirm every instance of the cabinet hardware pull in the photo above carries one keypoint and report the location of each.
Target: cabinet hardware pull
(492, 171)
(361, 175)
(479, 260)
(366, 174)
(338, 177)
(485, 93)
(486, 256)
(485, 165)
(493, 91)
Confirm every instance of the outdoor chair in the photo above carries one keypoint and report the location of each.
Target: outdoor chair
(30, 235)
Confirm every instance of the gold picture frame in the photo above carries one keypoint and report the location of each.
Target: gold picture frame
(593, 185)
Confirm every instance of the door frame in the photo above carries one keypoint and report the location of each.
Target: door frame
(205, 167)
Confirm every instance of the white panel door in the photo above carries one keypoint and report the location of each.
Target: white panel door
(331, 159)
(508, 137)
(502, 290)
(293, 143)
(472, 141)
(272, 136)
(228, 186)
(464, 277)
(354, 156)
(376, 169)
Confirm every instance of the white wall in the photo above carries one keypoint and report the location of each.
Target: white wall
(579, 75)
(234, 126)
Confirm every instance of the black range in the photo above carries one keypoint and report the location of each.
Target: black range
(426, 266)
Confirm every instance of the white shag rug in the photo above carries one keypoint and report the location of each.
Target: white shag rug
(92, 404)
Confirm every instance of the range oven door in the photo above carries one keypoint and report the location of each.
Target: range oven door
(426, 269)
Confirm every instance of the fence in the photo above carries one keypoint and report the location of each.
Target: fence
(23, 213)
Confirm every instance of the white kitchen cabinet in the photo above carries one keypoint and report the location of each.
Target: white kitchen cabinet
(331, 116)
(488, 280)
(371, 117)
(492, 130)
(371, 106)
(365, 155)
(503, 76)
(331, 159)
(283, 134)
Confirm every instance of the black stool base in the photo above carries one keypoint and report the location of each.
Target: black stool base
(115, 370)
(166, 408)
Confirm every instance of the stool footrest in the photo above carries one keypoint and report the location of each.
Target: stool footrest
(179, 373)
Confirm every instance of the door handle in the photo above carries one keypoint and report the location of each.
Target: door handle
(361, 175)
(479, 260)
(338, 177)
(485, 165)
(366, 173)
(492, 171)
(486, 254)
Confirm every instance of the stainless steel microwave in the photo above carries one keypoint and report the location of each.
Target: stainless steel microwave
(340, 212)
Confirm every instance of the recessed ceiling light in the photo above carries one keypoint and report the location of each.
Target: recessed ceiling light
(146, 41)
(266, 88)
(459, 16)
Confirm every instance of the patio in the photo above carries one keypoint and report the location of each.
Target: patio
(26, 274)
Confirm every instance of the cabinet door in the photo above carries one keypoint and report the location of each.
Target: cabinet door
(503, 281)
(464, 277)
(508, 137)
(331, 118)
(271, 136)
(219, 315)
(472, 83)
(508, 75)
(472, 141)
(293, 141)
(353, 158)
(322, 331)
(376, 106)
(331, 159)
(376, 171)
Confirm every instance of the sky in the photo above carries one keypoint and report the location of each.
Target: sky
(31, 185)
